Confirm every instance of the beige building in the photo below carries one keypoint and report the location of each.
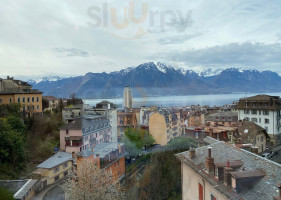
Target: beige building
(164, 126)
(221, 171)
(53, 103)
(16, 91)
(54, 168)
(127, 98)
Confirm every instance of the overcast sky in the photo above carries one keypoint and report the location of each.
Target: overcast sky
(70, 37)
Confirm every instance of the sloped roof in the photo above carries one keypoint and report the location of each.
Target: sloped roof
(264, 188)
(55, 160)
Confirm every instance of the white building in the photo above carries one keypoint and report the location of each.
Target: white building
(265, 111)
(127, 98)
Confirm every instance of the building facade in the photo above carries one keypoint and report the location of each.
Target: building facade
(54, 168)
(127, 98)
(164, 126)
(109, 156)
(265, 111)
(83, 133)
(221, 171)
(16, 91)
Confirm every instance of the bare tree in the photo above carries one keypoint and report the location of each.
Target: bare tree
(87, 182)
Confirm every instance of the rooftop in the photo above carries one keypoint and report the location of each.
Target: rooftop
(264, 188)
(19, 188)
(55, 160)
(101, 149)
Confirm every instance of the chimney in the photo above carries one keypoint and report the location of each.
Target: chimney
(211, 132)
(278, 197)
(227, 174)
(119, 148)
(255, 150)
(191, 153)
(210, 166)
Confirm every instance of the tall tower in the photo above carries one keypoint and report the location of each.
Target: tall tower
(127, 97)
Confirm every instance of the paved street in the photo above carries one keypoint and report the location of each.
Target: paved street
(56, 193)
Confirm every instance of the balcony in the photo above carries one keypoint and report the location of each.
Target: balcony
(74, 144)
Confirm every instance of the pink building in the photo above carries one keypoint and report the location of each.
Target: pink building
(84, 133)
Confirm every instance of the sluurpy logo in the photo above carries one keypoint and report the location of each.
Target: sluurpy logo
(133, 22)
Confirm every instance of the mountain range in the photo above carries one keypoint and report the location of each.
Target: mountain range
(159, 79)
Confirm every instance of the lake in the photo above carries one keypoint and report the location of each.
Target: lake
(171, 101)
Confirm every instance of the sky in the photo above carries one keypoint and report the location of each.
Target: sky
(70, 38)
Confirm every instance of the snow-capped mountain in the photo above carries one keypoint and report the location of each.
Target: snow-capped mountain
(159, 79)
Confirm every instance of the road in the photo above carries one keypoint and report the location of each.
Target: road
(56, 193)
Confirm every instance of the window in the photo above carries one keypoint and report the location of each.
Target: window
(213, 197)
(196, 134)
(259, 120)
(10, 100)
(32, 99)
(37, 107)
(254, 112)
(23, 108)
(28, 107)
(18, 99)
(23, 99)
(266, 112)
(57, 178)
(56, 169)
(254, 120)
(28, 99)
(266, 128)
(65, 173)
(37, 98)
(261, 138)
(65, 165)
(246, 112)
(266, 121)
(200, 191)
(32, 107)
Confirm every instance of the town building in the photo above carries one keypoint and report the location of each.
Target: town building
(221, 171)
(69, 113)
(21, 189)
(165, 125)
(85, 132)
(108, 109)
(109, 156)
(196, 118)
(126, 119)
(53, 103)
(54, 168)
(223, 117)
(16, 91)
(265, 111)
(127, 98)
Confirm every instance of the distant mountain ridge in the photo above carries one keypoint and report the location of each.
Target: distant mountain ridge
(159, 79)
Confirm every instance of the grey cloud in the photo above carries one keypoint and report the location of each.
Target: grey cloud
(178, 39)
(69, 52)
(256, 55)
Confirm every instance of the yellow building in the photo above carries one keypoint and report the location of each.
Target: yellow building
(16, 91)
(54, 168)
(165, 126)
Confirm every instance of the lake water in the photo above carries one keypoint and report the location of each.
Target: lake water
(211, 100)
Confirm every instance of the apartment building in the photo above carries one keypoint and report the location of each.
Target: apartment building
(85, 132)
(221, 171)
(165, 125)
(54, 168)
(265, 111)
(16, 91)
(109, 156)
